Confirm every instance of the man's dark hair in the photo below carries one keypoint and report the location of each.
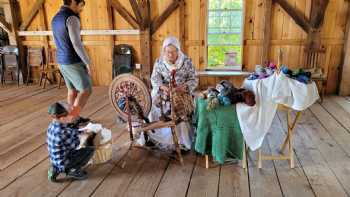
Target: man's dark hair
(68, 2)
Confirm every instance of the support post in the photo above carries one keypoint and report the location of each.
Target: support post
(267, 32)
(12, 15)
(146, 55)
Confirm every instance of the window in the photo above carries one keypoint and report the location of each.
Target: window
(225, 31)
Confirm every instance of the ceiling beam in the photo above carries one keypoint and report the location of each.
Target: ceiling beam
(137, 12)
(124, 13)
(27, 20)
(84, 32)
(156, 23)
(298, 17)
(145, 8)
(5, 25)
(318, 9)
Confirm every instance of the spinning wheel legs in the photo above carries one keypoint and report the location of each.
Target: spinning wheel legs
(176, 143)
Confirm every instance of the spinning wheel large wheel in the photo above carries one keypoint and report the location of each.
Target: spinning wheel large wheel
(127, 85)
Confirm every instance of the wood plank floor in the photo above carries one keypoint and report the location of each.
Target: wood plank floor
(322, 152)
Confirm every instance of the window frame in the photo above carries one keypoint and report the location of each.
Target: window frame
(230, 33)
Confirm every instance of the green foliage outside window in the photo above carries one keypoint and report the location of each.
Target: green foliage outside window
(224, 30)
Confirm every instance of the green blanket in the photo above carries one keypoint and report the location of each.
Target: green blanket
(218, 132)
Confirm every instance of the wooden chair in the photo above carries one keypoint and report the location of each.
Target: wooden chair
(35, 59)
(52, 67)
(314, 61)
(9, 62)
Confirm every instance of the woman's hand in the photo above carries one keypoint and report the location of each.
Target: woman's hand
(165, 89)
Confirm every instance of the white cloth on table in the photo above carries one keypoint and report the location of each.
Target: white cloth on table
(277, 89)
(294, 94)
(256, 121)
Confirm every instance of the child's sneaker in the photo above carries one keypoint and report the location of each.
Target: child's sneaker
(52, 174)
(77, 174)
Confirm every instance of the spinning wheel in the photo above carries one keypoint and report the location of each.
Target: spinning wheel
(125, 86)
(131, 100)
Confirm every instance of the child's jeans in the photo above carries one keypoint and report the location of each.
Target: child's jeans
(79, 158)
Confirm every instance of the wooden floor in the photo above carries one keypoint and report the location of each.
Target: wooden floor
(322, 152)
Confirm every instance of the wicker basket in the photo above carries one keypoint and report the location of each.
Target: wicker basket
(103, 153)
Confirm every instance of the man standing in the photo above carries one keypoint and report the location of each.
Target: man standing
(71, 56)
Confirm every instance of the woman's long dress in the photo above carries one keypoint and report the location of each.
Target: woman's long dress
(161, 75)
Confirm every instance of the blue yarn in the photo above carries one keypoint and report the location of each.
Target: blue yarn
(121, 103)
(284, 69)
(303, 79)
(225, 101)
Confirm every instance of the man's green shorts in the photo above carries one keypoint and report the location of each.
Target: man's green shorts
(76, 77)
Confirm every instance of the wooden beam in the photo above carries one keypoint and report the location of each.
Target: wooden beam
(203, 47)
(317, 14)
(160, 19)
(11, 12)
(4, 2)
(125, 14)
(111, 25)
(296, 15)
(145, 8)
(27, 20)
(85, 43)
(137, 13)
(182, 24)
(44, 27)
(318, 10)
(146, 55)
(344, 73)
(5, 25)
(267, 32)
(84, 32)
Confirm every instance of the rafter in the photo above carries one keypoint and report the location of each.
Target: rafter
(124, 13)
(160, 19)
(137, 12)
(27, 20)
(5, 25)
(145, 9)
(296, 15)
(318, 10)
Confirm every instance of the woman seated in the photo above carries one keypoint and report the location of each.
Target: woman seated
(172, 60)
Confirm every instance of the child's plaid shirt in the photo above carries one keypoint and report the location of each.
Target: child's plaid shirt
(61, 140)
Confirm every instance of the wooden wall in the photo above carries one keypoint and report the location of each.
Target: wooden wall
(289, 37)
(285, 34)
